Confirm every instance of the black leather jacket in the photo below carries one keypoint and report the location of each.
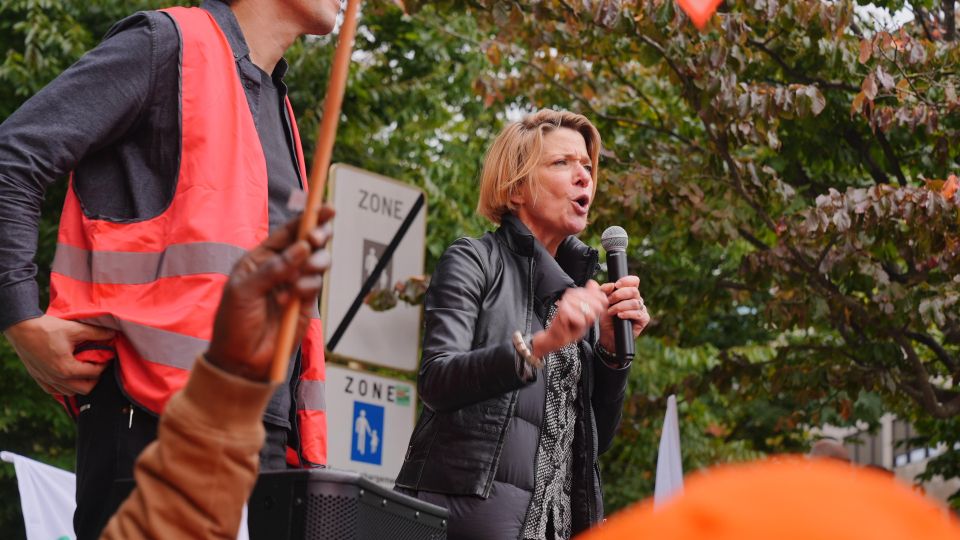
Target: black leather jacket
(481, 292)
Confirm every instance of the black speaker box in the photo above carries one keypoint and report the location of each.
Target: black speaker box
(331, 504)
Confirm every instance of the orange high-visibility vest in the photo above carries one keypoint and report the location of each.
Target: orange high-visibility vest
(158, 281)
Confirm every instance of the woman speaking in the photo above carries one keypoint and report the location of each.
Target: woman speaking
(521, 389)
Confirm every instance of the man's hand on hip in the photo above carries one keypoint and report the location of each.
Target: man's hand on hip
(46, 344)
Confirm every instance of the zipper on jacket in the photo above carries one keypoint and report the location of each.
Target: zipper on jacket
(543, 413)
(528, 324)
(536, 456)
(592, 509)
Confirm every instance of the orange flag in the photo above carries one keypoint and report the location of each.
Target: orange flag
(699, 11)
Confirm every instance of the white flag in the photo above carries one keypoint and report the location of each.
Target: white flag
(669, 464)
(46, 497)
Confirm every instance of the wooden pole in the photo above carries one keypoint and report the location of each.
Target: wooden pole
(326, 134)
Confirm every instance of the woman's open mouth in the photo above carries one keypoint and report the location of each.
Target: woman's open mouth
(581, 204)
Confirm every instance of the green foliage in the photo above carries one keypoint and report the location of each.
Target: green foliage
(409, 111)
(628, 467)
(39, 39)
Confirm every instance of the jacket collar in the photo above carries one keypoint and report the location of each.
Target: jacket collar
(516, 235)
(576, 260)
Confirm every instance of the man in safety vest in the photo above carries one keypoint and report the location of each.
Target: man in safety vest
(193, 481)
(182, 152)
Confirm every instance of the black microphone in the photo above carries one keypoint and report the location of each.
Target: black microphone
(614, 242)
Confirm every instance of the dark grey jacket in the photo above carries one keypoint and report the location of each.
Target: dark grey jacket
(481, 292)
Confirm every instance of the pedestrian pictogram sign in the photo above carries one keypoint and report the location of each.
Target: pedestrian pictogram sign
(369, 422)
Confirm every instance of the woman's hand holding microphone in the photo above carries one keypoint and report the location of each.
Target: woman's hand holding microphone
(577, 309)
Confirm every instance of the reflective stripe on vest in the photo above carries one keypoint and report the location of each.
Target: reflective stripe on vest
(180, 351)
(312, 395)
(153, 344)
(133, 268)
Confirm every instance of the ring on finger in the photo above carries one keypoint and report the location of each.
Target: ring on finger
(584, 308)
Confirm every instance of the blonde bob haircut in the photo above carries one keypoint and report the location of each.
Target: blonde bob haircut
(513, 157)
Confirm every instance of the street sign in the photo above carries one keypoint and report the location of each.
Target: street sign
(370, 210)
(369, 422)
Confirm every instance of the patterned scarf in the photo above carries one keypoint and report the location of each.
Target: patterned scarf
(553, 477)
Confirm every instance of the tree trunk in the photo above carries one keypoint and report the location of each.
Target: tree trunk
(949, 20)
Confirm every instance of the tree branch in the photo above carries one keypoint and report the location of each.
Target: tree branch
(596, 112)
(852, 341)
(636, 90)
(831, 291)
(753, 240)
(826, 250)
(667, 59)
(921, 389)
(799, 177)
(949, 20)
(944, 394)
(802, 77)
(921, 15)
(892, 160)
(722, 147)
(948, 361)
(853, 139)
(734, 285)
(893, 272)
